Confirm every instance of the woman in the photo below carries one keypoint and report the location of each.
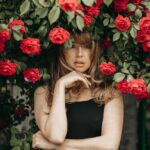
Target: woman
(80, 109)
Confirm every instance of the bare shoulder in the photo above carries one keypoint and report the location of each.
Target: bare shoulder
(117, 100)
(41, 90)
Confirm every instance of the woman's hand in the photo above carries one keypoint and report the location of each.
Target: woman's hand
(39, 141)
(72, 78)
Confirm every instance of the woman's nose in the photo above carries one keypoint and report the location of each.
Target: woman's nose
(79, 52)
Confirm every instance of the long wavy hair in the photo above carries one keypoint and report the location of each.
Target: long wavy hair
(101, 88)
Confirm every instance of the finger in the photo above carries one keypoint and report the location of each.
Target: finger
(86, 75)
(85, 82)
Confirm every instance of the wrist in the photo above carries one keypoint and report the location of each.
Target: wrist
(60, 83)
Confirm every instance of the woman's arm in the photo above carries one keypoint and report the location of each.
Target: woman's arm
(54, 125)
(111, 131)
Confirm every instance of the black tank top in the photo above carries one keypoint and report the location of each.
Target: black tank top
(84, 119)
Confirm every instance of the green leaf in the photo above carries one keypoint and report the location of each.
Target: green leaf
(125, 35)
(146, 3)
(124, 70)
(106, 15)
(131, 7)
(24, 8)
(79, 12)
(133, 32)
(129, 77)
(3, 26)
(116, 36)
(16, 27)
(105, 21)
(29, 22)
(16, 148)
(119, 76)
(136, 26)
(148, 88)
(14, 131)
(108, 2)
(70, 15)
(46, 43)
(132, 69)
(138, 13)
(80, 23)
(17, 35)
(36, 2)
(41, 12)
(69, 43)
(43, 30)
(54, 14)
(45, 3)
(2, 15)
(88, 2)
(126, 65)
(14, 141)
(26, 146)
(45, 75)
(134, 63)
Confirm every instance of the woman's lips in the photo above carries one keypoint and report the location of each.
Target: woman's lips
(79, 64)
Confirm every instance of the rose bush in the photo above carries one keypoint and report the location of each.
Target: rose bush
(124, 35)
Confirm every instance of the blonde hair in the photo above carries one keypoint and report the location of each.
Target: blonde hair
(101, 89)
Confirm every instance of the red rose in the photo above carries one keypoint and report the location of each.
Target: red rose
(4, 35)
(143, 95)
(107, 68)
(137, 86)
(120, 5)
(122, 86)
(31, 74)
(59, 35)
(136, 2)
(146, 46)
(140, 37)
(30, 46)
(80, 7)
(2, 46)
(21, 111)
(16, 22)
(148, 60)
(7, 68)
(122, 23)
(92, 11)
(87, 20)
(144, 23)
(148, 14)
(143, 36)
(99, 2)
(106, 43)
(68, 5)
(123, 2)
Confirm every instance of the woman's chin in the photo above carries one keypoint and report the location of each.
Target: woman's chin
(80, 70)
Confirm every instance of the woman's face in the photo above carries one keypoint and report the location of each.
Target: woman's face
(78, 57)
